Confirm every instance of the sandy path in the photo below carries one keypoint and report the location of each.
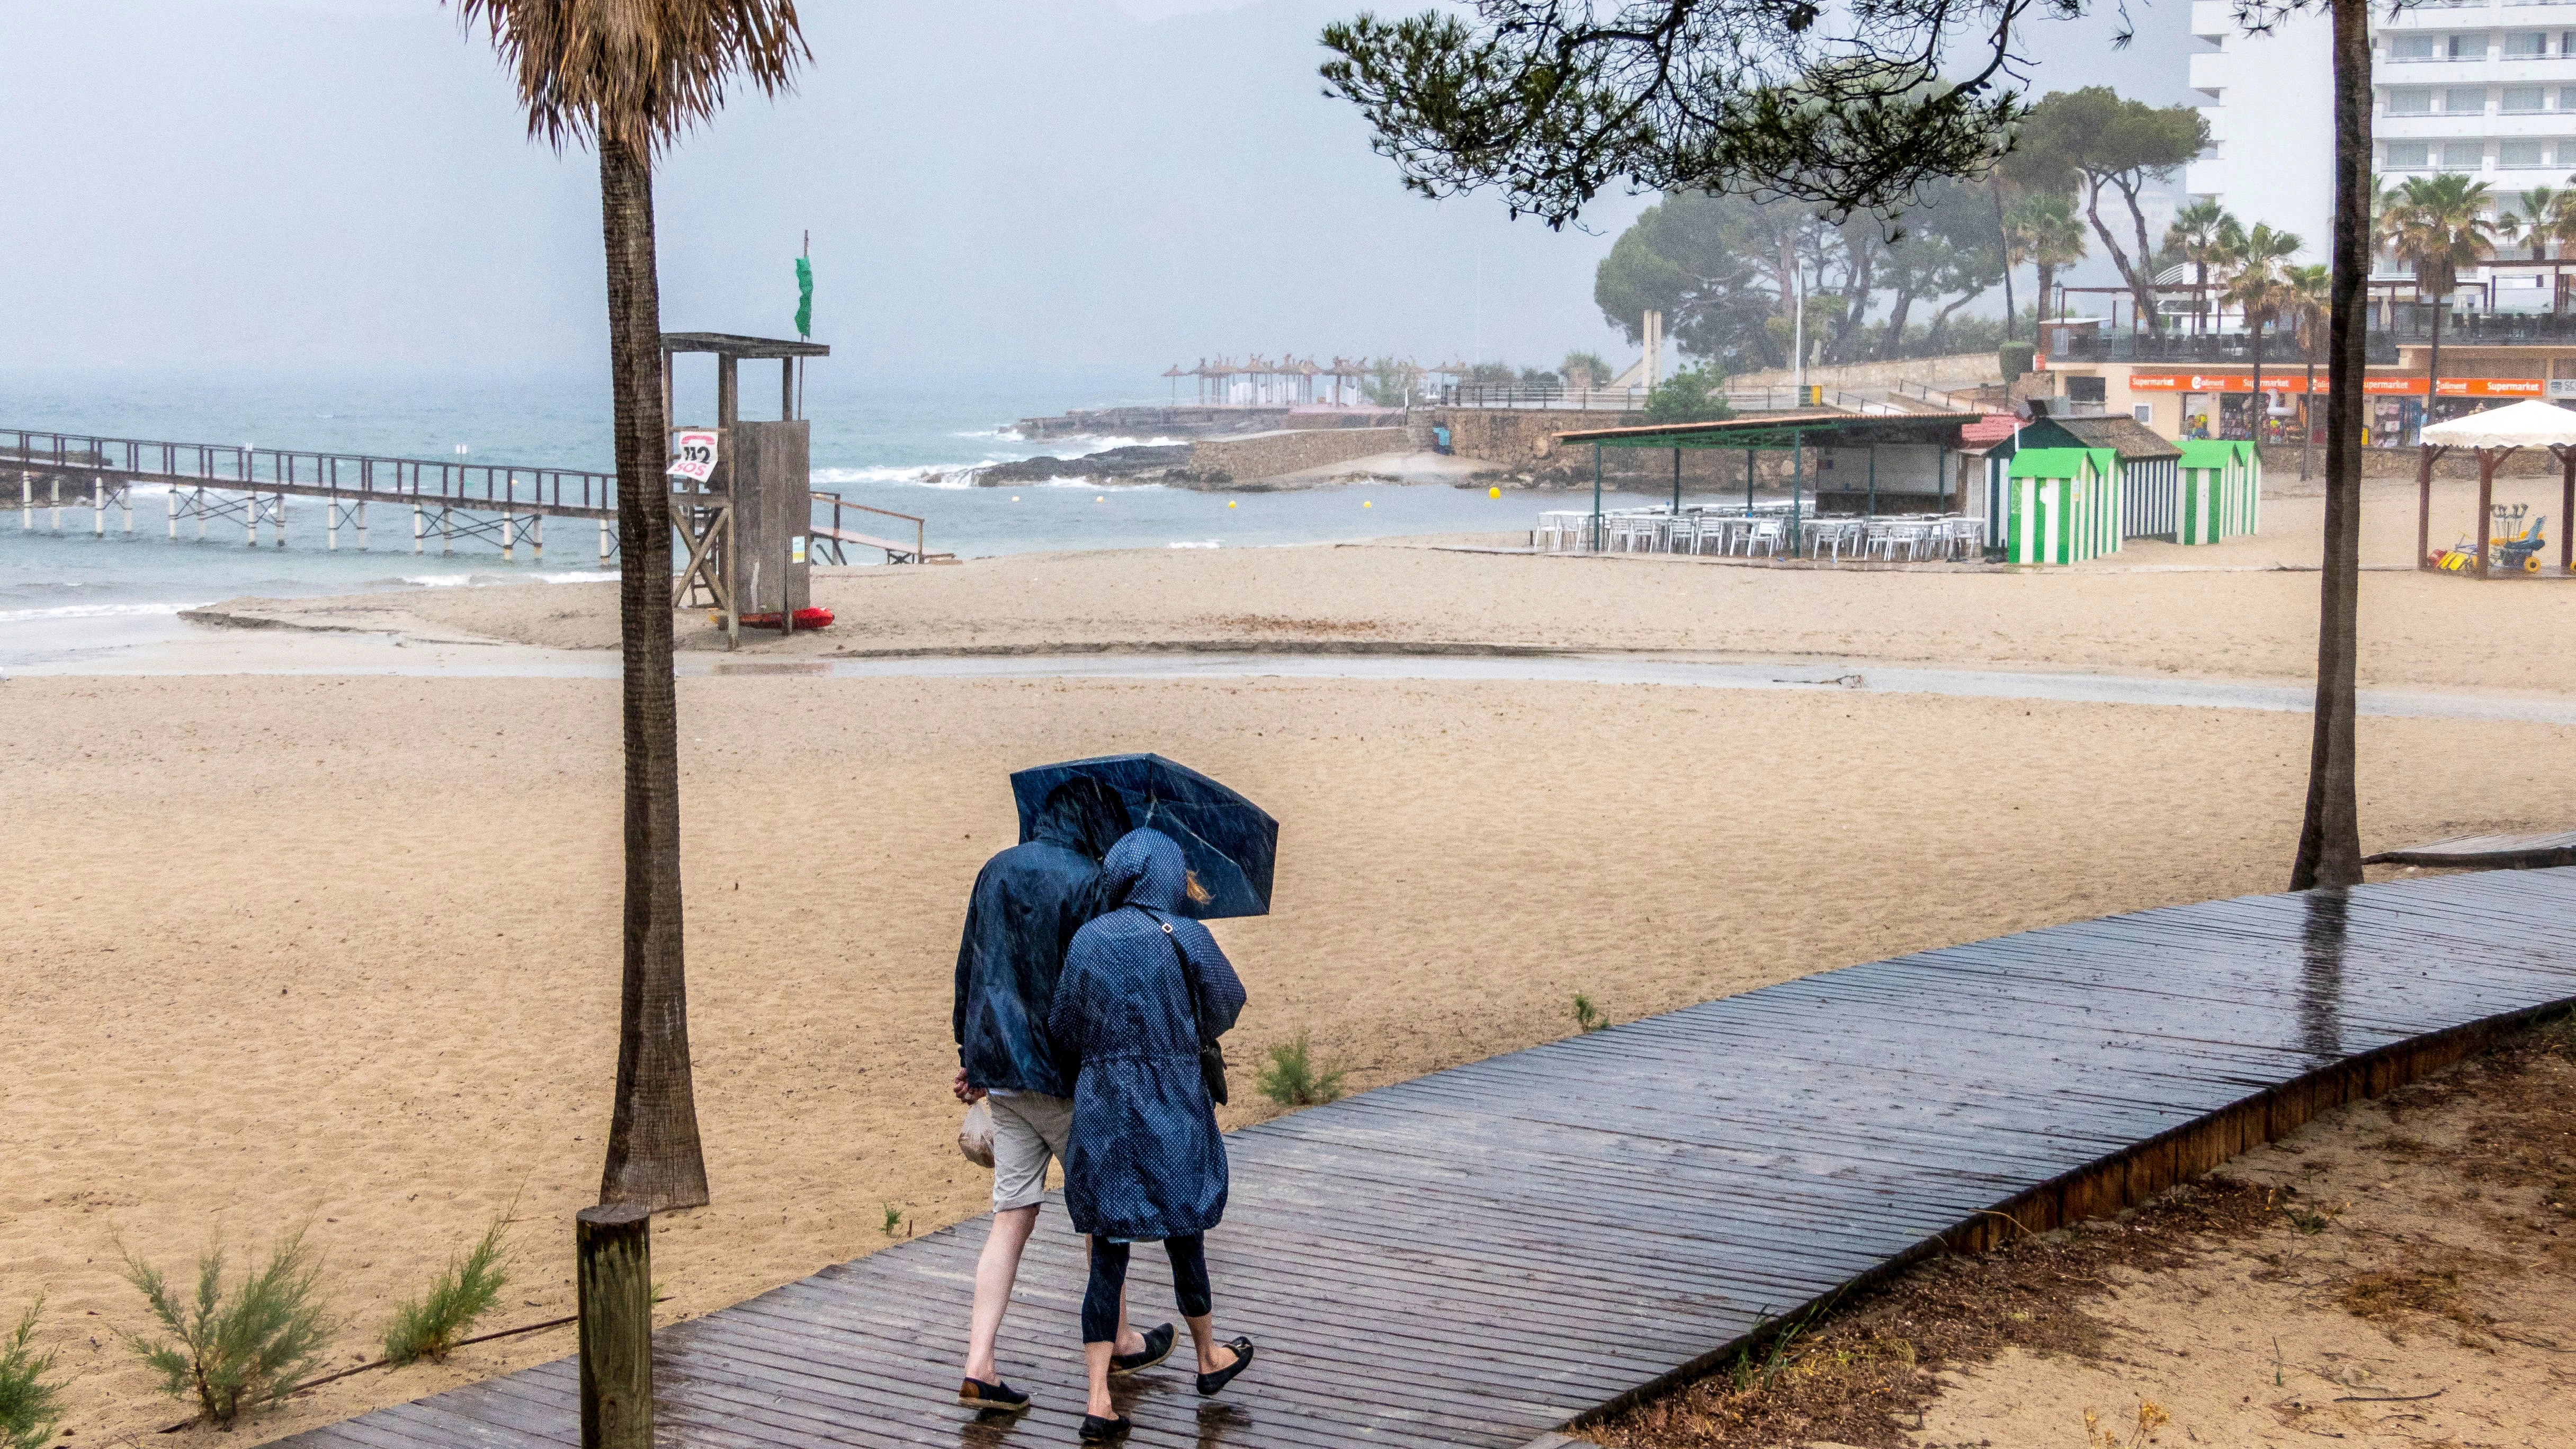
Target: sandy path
(2219, 611)
(343, 950)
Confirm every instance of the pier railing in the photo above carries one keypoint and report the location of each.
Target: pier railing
(348, 477)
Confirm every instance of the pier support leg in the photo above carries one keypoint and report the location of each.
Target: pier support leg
(27, 505)
(603, 543)
(415, 528)
(509, 539)
(613, 1288)
(250, 520)
(362, 525)
(537, 538)
(98, 508)
(126, 501)
(55, 517)
(330, 525)
(281, 520)
(446, 532)
(174, 513)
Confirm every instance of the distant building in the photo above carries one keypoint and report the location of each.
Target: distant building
(2484, 88)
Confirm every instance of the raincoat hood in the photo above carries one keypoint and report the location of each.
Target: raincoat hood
(1081, 814)
(1145, 868)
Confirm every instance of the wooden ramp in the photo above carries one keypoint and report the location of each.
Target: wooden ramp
(2491, 852)
(1484, 1255)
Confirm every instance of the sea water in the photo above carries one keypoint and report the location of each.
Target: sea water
(908, 445)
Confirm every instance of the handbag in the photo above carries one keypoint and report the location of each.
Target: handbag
(975, 1135)
(1211, 1055)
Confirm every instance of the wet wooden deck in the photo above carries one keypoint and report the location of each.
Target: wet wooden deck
(2487, 852)
(1483, 1255)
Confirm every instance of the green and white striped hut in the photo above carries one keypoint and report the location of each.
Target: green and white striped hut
(2065, 505)
(2222, 490)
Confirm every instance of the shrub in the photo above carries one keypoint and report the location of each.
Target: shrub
(429, 1326)
(1588, 1017)
(236, 1348)
(30, 1406)
(2014, 359)
(1294, 1080)
(1691, 395)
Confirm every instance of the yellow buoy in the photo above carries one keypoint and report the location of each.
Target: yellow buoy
(1365, 504)
(1229, 505)
(1101, 499)
(1493, 492)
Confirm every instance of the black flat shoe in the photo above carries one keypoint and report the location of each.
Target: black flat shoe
(1210, 1383)
(1158, 1347)
(1097, 1430)
(993, 1397)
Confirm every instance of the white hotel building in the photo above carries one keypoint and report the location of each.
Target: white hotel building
(2482, 87)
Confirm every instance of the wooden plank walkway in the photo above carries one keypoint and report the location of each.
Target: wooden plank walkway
(1486, 1254)
(2505, 852)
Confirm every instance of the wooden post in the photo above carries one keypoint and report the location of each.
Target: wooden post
(2486, 503)
(787, 389)
(613, 1275)
(2424, 505)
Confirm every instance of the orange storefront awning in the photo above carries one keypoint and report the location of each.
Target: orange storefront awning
(2296, 383)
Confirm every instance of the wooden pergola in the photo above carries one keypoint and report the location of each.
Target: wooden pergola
(2495, 435)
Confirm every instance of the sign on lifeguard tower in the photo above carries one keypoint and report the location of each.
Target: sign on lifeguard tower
(693, 455)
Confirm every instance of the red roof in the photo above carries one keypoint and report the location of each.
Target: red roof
(1993, 428)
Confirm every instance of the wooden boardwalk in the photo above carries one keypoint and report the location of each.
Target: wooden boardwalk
(2506, 852)
(1487, 1254)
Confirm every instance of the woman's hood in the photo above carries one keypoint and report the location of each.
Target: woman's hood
(1145, 868)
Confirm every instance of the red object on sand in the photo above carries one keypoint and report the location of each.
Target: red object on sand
(805, 619)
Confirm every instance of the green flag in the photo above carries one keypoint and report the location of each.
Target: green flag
(805, 297)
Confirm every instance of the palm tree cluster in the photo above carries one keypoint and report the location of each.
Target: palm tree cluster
(2257, 279)
(2442, 225)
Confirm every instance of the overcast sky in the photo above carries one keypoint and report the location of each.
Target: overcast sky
(347, 184)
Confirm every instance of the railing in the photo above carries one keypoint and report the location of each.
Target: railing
(1580, 399)
(839, 535)
(2233, 348)
(492, 487)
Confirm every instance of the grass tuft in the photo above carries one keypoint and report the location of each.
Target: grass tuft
(431, 1325)
(236, 1347)
(1588, 1018)
(1295, 1079)
(30, 1404)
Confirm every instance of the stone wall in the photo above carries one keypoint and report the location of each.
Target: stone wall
(1255, 457)
(1961, 367)
(2281, 465)
(1515, 439)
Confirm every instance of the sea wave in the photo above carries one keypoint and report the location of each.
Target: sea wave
(467, 581)
(93, 611)
(1206, 543)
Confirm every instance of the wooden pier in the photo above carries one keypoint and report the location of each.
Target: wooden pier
(2486, 852)
(235, 484)
(1488, 1255)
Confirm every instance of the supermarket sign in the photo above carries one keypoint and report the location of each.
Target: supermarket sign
(2296, 383)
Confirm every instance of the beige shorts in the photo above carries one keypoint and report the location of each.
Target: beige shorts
(1029, 1130)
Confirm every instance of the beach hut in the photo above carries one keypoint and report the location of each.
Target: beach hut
(2222, 490)
(2064, 505)
(2150, 467)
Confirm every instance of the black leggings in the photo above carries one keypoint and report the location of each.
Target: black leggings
(1109, 1279)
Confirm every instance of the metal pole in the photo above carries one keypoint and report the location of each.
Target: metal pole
(1873, 479)
(1596, 498)
(1677, 482)
(1797, 486)
(362, 525)
(26, 501)
(98, 507)
(1748, 480)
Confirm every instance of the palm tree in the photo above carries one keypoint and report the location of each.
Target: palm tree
(629, 76)
(2307, 294)
(2044, 231)
(2439, 225)
(2549, 219)
(2256, 288)
(2204, 234)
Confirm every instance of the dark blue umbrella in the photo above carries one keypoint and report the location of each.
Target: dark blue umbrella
(1231, 843)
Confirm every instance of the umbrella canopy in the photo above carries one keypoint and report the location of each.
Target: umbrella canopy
(2528, 424)
(1229, 842)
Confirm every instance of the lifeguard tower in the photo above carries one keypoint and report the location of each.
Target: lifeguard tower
(746, 529)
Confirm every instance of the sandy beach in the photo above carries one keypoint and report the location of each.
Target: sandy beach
(341, 951)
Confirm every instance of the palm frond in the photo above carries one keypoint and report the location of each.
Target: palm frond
(639, 72)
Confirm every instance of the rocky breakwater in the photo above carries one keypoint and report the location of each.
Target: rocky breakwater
(1148, 463)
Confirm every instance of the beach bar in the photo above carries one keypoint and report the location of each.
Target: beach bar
(1849, 473)
(2065, 505)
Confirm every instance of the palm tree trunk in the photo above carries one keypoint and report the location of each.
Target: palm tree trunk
(2433, 364)
(2254, 424)
(653, 1155)
(1996, 185)
(2330, 835)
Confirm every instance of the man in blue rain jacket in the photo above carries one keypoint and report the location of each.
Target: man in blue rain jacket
(1027, 904)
